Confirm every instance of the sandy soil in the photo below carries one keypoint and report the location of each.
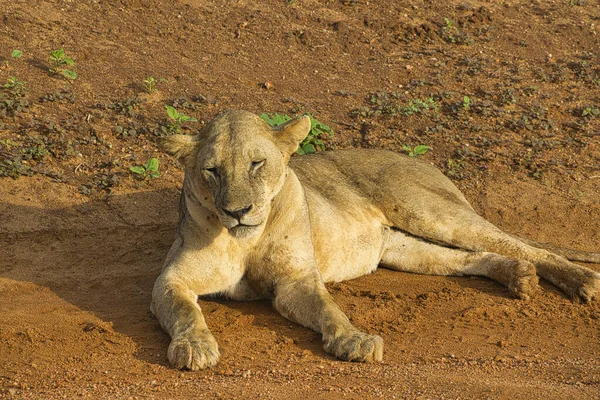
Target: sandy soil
(82, 240)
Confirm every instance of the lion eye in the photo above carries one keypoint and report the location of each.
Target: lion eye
(256, 165)
(212, 171)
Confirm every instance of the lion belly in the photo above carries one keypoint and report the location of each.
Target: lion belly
(348, 239)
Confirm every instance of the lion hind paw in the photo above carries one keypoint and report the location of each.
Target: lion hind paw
(589, 288)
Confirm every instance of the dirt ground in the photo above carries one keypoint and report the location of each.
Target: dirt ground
(506, 94)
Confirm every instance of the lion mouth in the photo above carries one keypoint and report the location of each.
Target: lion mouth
(243, 230)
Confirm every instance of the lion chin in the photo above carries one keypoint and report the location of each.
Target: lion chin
(242, 231)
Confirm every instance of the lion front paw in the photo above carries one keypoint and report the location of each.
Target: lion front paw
(357, 346)
(524, 282)
(194, 353)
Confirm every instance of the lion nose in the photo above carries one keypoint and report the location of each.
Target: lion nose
(238, 213)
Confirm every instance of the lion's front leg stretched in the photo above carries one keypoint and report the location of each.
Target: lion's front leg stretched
(192, 345)
(187, 274)
(307, 302)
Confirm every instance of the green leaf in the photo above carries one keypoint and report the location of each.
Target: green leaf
(138, 170)
(69, 61)
(173, 114)
(318, 128)
(67, 73)
(275, 119)
(16, 54)
(58, 54)
(186, 118)
(309, 148)
(421, 149)
(152, 165)
(154, 174)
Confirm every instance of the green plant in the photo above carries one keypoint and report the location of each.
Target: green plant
(451, 34)
(388, 104)
(177, 119)
(590, 112)
(125, 107)
(7, 143)
(417, 150)
(15, 54)
(60, 60)
(455, 168)
(466, 103)
(416, 106)
(148, 171)
(12, 105)
(312, 143)
(150, 84)
(15, 86)
(105, 181)
(275, 119)
(124, 133)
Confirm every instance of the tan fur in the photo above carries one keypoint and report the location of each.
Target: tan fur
(256, 223)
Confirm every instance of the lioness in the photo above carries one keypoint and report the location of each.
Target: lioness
(256, 223)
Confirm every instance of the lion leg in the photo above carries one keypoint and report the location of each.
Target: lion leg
(174, 304)
(192, 344)
(410, 254)
(465, 229)
(307, 302)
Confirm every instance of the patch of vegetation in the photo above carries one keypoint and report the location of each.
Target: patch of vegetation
(313, 141)
(466, 103)
(12, 101)
(148, 171)
(124, 133)
(455, 168)
(103, 181)
(176, 119)
(59, 61)
(15, 86)
(389, 104)
(11, 160)
(590, 112)
(192, 103)
(127, 107)
(535, 118)
(59, 95)
(21, 158)
(15, 54)
(451, 34)
(417, 150)
(417, 106)
(150, 84)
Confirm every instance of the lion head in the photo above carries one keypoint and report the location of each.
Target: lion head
(236, 165)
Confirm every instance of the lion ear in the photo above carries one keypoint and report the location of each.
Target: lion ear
(182, 147)
(289, 135)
